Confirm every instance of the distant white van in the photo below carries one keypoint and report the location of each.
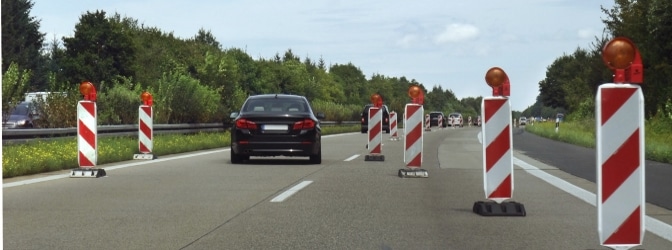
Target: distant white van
(32, 96)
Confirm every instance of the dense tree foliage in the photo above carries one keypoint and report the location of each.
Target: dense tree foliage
(572, 80)
(22, 42)
(197, 79)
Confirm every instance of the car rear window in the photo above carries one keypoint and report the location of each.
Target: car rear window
(275, 105)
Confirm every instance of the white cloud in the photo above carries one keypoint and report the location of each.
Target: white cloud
(457, 32)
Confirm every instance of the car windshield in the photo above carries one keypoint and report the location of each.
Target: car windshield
(275, 105)
(20, 110)
(434, 114)
(454, 115)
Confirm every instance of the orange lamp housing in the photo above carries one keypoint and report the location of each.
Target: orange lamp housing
(499, 81)
(377, 100)
(622, 56)
(416, 94)
(88, 91)
(147, 98)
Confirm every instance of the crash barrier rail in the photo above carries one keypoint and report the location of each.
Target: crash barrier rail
(9, 135)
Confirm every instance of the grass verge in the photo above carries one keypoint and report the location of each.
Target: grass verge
(658, 144)
(46, 156)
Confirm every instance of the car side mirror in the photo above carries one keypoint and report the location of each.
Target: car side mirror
(233, 115)
(320, 115)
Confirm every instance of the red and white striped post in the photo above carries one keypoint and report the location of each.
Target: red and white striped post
(375, 132)
(413, 135)
(145, 128)
(87, 134)
(428, 125)
(440, 122)
(393, 126)
(497, 149)
(621, 196)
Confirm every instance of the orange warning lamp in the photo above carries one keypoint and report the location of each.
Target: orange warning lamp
(146, 98)
(377, 100)
(499, 81)
(622, 56)
(88, 90)
(415, 93)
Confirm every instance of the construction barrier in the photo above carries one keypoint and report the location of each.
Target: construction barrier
(375, 135)
(439, 122)
(413, 142)
(145, 133)
(393, 126)
(87, 135)
(620, 165)
(428, 125)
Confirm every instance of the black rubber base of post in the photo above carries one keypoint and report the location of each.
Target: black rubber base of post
(491, 208)
(374, 158)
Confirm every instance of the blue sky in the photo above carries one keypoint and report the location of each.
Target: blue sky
(436, 42)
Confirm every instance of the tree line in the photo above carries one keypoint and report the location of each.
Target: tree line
(572, 80)
(197, 79)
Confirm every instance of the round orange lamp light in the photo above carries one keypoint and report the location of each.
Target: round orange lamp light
(88, 91)
(146, 98)
(619, 53)
(495, 77)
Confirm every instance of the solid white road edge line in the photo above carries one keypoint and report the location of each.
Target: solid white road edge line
(351, 158)
(653, 225)
(284, 195)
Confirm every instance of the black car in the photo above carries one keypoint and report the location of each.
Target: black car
(365, 118)
(434, 119)
(276, 125)
(23, 115)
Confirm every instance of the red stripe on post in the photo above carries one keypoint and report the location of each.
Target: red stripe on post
(503, 190)
(491, 108)
(620, 165)
(628, 232)
(413, 136)
(90, 107)
(146, 130)
(87, 134)
(83, 161)
(497, 148)
(416, 162)
(613, 99)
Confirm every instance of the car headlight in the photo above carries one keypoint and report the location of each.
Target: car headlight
(21, 122)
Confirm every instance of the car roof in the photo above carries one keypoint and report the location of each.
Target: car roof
(263, 96)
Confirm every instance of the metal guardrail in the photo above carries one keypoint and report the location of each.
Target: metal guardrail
(120, 130)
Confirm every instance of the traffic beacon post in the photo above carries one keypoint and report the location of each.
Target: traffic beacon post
(87, 135)
(375, 132)
(497, 150)
(413, 135)
(145, 128)
(620, 148)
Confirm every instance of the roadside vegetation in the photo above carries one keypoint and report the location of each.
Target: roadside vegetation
(657, 135)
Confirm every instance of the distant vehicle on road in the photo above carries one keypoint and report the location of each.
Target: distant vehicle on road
(365, 118)
(434, 119)
(455, 120)
(522, 121)
(276, 125)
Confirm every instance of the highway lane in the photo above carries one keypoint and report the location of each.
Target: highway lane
(203, 202)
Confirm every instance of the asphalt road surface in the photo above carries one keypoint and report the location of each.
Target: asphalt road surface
(200, 201)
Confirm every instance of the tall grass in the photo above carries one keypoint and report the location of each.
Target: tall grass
(657, 136)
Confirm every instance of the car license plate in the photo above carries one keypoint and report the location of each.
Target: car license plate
(274, 127)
